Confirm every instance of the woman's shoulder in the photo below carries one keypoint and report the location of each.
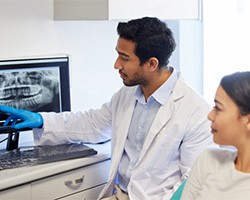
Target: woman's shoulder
(220, 153)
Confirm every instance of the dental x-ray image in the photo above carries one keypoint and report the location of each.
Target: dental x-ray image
(33, 89)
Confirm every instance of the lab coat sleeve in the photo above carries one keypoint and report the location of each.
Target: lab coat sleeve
(93, 126)
(196, 139)
(194, 142)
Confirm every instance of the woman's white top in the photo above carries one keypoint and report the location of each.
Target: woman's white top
(214, 177)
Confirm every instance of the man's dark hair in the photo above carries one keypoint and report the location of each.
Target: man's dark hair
(237, 87)
(152, 38)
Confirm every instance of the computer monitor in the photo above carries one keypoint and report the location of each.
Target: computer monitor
(35, 84)
(38, 85)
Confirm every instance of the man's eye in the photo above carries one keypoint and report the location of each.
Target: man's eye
(124, 58)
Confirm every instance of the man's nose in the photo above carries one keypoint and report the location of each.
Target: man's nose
(117, 64)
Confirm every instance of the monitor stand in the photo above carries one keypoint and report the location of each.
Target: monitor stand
(12, 142)
(13, 136)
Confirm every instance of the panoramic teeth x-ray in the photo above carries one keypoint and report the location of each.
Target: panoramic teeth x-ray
(30, 90)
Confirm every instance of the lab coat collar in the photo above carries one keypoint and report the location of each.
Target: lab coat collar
(162, 93)
(123, 133)
(163, 116)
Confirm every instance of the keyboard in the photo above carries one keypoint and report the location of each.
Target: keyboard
(30, 156)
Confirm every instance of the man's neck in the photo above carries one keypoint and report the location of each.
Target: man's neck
(155, 82)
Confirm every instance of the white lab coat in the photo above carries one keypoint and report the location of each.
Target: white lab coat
(178, 134)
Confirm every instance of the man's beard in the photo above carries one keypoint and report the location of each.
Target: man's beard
(138, 79)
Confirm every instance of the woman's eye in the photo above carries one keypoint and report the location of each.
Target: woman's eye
(216, 108)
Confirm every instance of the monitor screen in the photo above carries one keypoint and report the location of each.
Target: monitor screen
(36, 84)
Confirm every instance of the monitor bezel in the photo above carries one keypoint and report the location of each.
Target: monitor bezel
(59, 61)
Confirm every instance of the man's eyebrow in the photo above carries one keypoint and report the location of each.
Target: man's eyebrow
(123, 54)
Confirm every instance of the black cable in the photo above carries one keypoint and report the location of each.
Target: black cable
(3, 140)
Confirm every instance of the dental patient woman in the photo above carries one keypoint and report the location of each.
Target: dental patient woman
(224, 173)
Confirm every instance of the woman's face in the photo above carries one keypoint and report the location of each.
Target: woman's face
(227, 123)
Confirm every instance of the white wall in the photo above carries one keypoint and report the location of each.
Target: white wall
(191, 52)
(27, 29)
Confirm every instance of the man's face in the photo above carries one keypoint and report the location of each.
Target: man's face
(128, 64)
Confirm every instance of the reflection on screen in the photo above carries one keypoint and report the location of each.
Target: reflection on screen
(33, 89)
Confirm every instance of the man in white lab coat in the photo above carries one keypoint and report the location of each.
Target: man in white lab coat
(157, 124)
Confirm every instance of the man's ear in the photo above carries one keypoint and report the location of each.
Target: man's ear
(247, 121)
(153, 63)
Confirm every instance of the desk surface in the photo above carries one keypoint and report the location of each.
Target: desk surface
(22, 175)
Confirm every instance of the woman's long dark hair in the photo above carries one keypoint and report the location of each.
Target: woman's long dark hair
(237, 86)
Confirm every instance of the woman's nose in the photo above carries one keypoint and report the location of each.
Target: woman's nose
(210, 115)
